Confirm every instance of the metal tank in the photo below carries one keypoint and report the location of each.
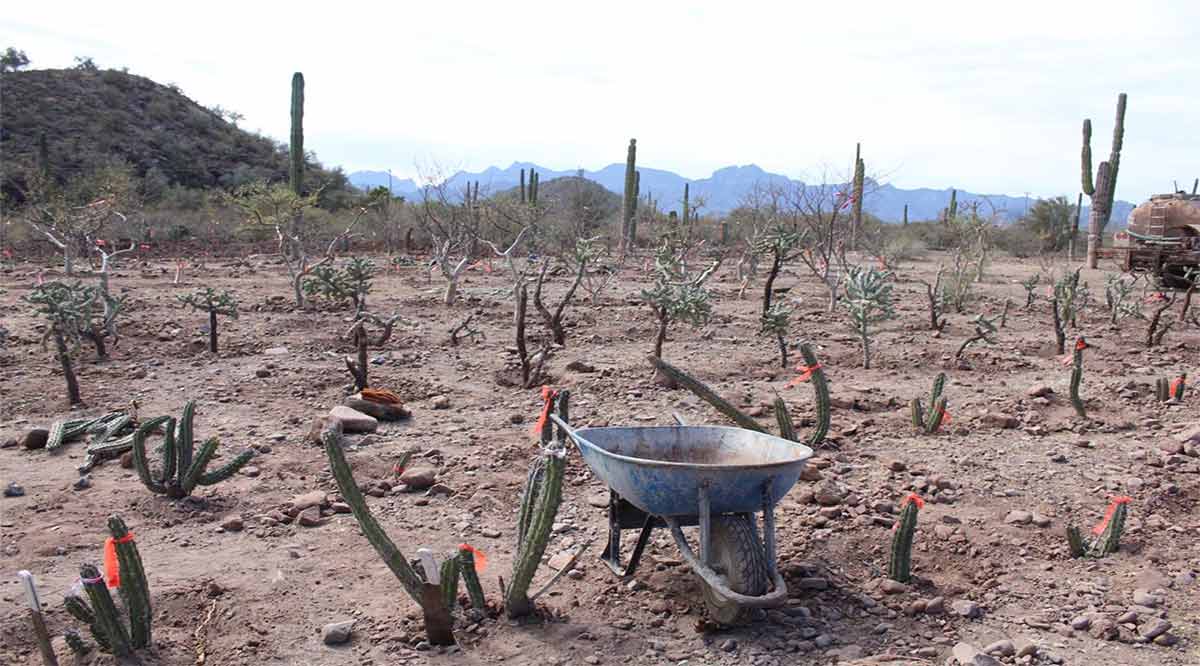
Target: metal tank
(1162, 238)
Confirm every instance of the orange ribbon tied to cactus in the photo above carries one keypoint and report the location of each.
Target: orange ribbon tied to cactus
(806, 373)
(1108, 514)
(548, 395)
(112, 565)
(1080, 345)
(480, 558)
(915, 499)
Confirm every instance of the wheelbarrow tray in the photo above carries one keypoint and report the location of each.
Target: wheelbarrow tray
(661, 469)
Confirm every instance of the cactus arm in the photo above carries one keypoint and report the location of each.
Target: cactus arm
(918, 414)
(939, 383)
(105, 611)
(471, 579)
(226, 471)
(193, 473)
(79, 609)
(1075, 542)
(706, 394)
(134, 588)
(787, 430)
(375, 534)
(1076, 380)
(937, 413)
(185, 443)
(1110, 539)
(74, 641)
(450, 574)
(1160, 389)
(140, 463)
(1088, 187)
(900, 563)
(820, 396)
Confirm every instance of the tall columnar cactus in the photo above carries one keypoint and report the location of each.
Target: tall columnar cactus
(439, 623)
(1077, 377)
(296, 146)
(952, 207)
(539, 506)
(214, 303)
(929, 422)
(1108, 532)
(905, 220)
(629, 202)
(100, 613)
(1101, 190)
(687, 213)
(858, 193)
(900, 563)
(182, 468)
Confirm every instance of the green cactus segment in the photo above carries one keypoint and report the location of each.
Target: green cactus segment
(107, 622)
(1178, 387)
(539, 507)
(471, 578)
(1162, 391)
(62, 432)
(952, 209)
(296, 144)
(820, 393)
(182, 471)
(937, 414)
(1076, 380)
(450, 573)
(706, 394)
(629, 199)
(1089, 187)
(900, 564)
(74, 641)
(135, 591)
(787, 430)
(918, 414)
(1110, 539)
(79, 610)
(1075, 542)
(939, 384)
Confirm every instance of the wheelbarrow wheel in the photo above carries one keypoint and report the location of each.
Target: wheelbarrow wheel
(736, 553)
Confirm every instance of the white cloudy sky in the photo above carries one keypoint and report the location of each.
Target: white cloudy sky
(986, 97)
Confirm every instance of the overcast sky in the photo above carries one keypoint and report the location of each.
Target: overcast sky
(986, 97)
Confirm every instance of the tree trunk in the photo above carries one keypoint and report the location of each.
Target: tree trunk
(360, 379)
(451, 291)
(297, 287)
(776, 260)
(439, 623)
(68, 372)
(212, 331)
(663, 320)
(68, 261)
(783, 350)
(1095, 233)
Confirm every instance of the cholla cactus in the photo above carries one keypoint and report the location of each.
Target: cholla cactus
(182, 469)
(214, 303)
(75, 313)
(869, 301)
(775, 322)
(359, 336)
(677, 296)
(985, 331)
(99, 612)
(1117, 293)
(782, 244)
(338, 285)
(1031, 285)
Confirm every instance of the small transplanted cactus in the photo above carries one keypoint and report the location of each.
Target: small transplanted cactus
(900, 562)
(985, 330)
(929, 422)
(810, 371)
(1117, 292)
(775, 322)
(182, 467)
(1030, 286)
(869, 301)
(214, 303)
(1108, 532)
(1170, 390)
(123, 564)
(339, 285)
(936, 292)
(1066, 304)
(75, 313)
(677, 296)
(1077, 377)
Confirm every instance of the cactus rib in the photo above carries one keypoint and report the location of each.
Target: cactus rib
(900, 563)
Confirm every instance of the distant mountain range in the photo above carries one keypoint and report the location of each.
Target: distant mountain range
(724, 189)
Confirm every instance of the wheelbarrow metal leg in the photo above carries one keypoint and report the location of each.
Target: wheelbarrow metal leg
(769, 527)
(705, 524)
(612, 552)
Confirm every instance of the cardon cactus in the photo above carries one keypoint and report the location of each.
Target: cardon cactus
(900, 563)
(929, 422)
(214, 303)
(296, 145)
(539, 506)
(629, 199)
(432, 598)
(1077, 377)
(470, 576)
(182, 468)
(99, 612)
(1108, 532)
(1101, 190)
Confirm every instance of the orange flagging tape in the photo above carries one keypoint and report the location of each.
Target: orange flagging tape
(548, 398)
(480, 558)
(112, 567)
(1081, 344)
(945, 417)
(806, 373)
(1175, 386)
(1108, 514)
(915, 499)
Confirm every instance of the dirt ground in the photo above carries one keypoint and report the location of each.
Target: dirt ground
(261, 595)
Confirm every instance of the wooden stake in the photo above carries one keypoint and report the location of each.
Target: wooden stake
(35, 617)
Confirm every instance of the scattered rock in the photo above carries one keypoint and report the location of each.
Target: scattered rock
(1155, 628)
(1040, 391)
(262, 372)
(303, 501)
(828, 494)
(276, 351)
(310, 517)
(516, 418)
(998, 420)
(889, 586)
(384, 411)
(490, 533)
(1081, 623)
(1144, 597)
(337, 633)
(233, 523)
(1018, 517)
(966, 608)
(319, 426)
(441, 402)
(83, 483)
(127, 460)
(580, 366)
(1001, 648)
(251, 470)
(353, 420)
(13, 489)
(9, 444)
(36, 439)
(935, 606)
(419, 478)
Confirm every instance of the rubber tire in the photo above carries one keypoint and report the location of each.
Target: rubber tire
(738, 556)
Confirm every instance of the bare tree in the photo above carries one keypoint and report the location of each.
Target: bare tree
(454, 229)
(820, 213)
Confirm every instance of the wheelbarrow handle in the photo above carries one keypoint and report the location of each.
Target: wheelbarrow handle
(567, 428)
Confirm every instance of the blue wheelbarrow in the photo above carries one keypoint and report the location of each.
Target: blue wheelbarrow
(712, 477)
